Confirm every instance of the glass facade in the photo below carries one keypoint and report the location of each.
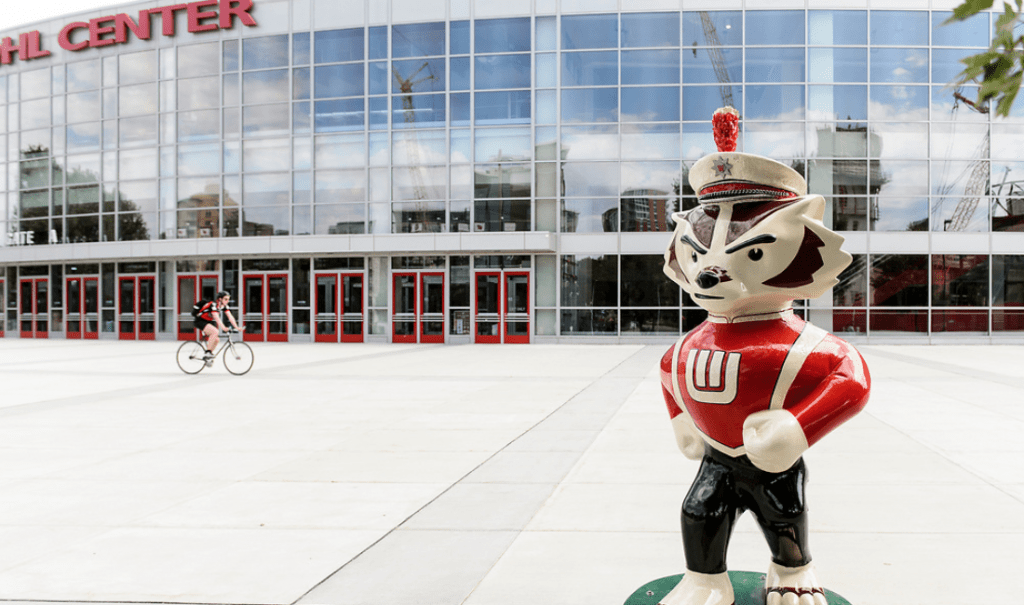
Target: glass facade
(578, 127)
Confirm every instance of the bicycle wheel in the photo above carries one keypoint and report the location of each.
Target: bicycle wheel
(190, 357)
(238, 358)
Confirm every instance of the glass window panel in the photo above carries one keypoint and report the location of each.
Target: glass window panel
(590, 105)
(137, 99)
(589, 281)
(972, 31)
(502, 71)
(950, 104)
(842, 140)
(267, 86)
(837, 65)
(643, 283)
(700, 102)
(775, 102)
(898, 140)
(899, 214)
(83, 75)
(199, 93)
(960, 280)
(650, 29)
(419, 147)
(649, 180)
(35, 83)
(547, 70)
(84, 137)
(379, 42)
(380, 185)
(264, 221)
(776, 27)
(460, 73)
(338, 80)
(418, 76)
(1008, 281)
(419, 183)
(334, 186)
(36, 114)
(300, 48)
(379, 77)
(589, 69)
(417, 111)
(338, 115)
(338, 45)
(134, 68)
(300, 84)
(590, 179)
(900, 178)
(340, 151)
(837, 27)
(300, 120)
(1008, 203)
(83, 107)
(417, 40)
(650, 67)
(590, 215)
(659, 104)
(139, 163)
(899, 103)
(960, 214)
(590, 31)
(501, 180)
(852, 289)
(959, 178)
(460, 110)
(712, 28)
(899, 280)
(510, 107)
(502, 144)
(417, 217)
(462, 181)
(458, 34)
(263, 155)
(266, 190)
(547, 34)
(776, 65)
(952, 140)
(584, 322)
(199, 159)
(138, 131)
(946, 65)
(650, 141)
(779, 140)
(646, 210)
(229, 56)
(899, 28)
(461, 146)
(503, 35)
(199, 125)
(599, 142)
(899, 321)
(339, 219)
(268, 51)
(501, 215)
(136, 211)
(837, 102)
(83, 169)
(899, 64)
(199, 60)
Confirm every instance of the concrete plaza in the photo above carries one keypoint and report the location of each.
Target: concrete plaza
(477, 475)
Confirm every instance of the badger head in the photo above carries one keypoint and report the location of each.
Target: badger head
(750, 257)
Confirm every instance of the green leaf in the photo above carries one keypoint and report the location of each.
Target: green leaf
(968, 8)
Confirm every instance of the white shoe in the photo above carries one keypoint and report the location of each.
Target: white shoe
(701, 589)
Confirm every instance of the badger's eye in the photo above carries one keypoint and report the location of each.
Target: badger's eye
(693, 256)
(755, 254)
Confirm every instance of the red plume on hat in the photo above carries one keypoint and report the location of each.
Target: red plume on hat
(726, 126)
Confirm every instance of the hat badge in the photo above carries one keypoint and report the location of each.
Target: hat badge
(723, 168)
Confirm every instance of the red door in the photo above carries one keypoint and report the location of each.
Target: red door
(418, 313)
(327, 305)
(191, 289)
(137, 307)
(82, 317)
(3, 307)
(339, 307)
(35, 308)
(265, 307)
(351, 298)
(502, 307)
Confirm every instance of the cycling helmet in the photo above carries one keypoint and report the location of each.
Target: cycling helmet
(222, 294)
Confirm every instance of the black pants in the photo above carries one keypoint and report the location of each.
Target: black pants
(727, 486)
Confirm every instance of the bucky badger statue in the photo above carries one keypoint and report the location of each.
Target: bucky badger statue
(751, 388)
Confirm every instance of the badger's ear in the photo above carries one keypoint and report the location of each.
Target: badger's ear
(814, 207)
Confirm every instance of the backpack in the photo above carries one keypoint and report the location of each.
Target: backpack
(198, 307)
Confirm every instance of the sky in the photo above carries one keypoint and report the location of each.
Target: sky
(20, 12)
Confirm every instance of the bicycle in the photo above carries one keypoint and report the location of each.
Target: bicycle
(238, 356)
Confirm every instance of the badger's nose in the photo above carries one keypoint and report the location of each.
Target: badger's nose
(707, 279)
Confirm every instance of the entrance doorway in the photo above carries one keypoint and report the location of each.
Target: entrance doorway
(136, 319)
(502, 307)
(339, 307)
(418, 313)
(192, 289)
(82, 310)
(265, 306)
(34, 311)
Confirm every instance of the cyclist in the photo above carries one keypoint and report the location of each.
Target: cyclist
(210, 324)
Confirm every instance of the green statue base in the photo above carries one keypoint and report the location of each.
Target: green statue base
(748, 587)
